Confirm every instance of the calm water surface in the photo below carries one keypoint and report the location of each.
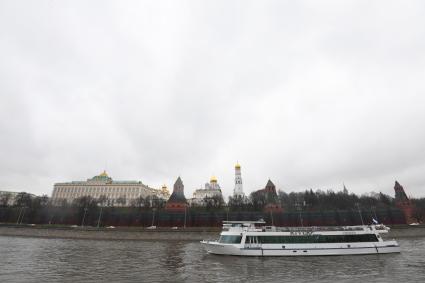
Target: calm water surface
(62, 260)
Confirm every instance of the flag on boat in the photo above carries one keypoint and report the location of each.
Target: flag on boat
(374, 221)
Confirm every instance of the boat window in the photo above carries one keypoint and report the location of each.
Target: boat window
(317, 239)
(251, 240)
(230, 239)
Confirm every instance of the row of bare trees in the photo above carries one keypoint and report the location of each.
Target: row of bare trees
(308, 200)
(103, 200)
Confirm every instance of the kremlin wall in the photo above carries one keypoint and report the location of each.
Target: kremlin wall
(101, 202)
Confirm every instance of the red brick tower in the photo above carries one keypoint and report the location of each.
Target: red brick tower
(177, 200)
(272, 200)
(403, 202)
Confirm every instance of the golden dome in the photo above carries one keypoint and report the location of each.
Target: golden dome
(237, 166)
(104, 174)
(213, 179)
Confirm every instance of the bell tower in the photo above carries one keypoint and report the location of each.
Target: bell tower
(238, 190)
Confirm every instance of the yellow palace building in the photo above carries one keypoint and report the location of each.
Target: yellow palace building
(102, 186)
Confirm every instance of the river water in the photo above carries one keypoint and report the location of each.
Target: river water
(66, 260)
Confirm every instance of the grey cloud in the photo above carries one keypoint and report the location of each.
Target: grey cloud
(308, 94)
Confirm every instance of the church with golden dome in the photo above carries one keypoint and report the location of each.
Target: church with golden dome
(211, 190)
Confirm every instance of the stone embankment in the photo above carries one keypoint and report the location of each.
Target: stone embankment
(118, 233)
(159, 234)
(406, 231)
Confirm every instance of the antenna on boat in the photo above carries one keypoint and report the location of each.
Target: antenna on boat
(360, 213)
(374, 213)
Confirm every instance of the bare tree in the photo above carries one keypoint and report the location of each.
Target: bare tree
(121, 200)
(138, 202)
(23, 200)
(5, 198)
(102, 200)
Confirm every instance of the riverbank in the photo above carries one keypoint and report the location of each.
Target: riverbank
(159, 234)
(115, 233)
(404, 231)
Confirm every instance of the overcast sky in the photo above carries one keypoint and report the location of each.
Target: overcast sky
(311, 94)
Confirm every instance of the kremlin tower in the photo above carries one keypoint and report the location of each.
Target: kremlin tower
(177, 200)
(272, 199)
(238, 190)
(403, 202)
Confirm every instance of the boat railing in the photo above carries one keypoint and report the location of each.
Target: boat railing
(252, 228)
(321, 228)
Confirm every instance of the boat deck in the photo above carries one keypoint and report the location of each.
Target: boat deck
(255, 227)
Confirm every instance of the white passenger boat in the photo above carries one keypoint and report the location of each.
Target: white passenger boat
(253, 238)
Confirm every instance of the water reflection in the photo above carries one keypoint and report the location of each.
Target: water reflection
(60, 260)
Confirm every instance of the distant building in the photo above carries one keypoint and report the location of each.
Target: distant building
(106, 190)
(403, 202)
(164, 193)
(177, 200)
(211, 191)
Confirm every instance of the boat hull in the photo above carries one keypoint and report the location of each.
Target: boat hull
(316, 250)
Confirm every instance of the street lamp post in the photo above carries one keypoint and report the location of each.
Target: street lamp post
(153, 216)
(360, 213)
(84, 216)
(227, 213)
(100, 215)
(185, 208)
(23, 214)
(299, 207)
(19, 215)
